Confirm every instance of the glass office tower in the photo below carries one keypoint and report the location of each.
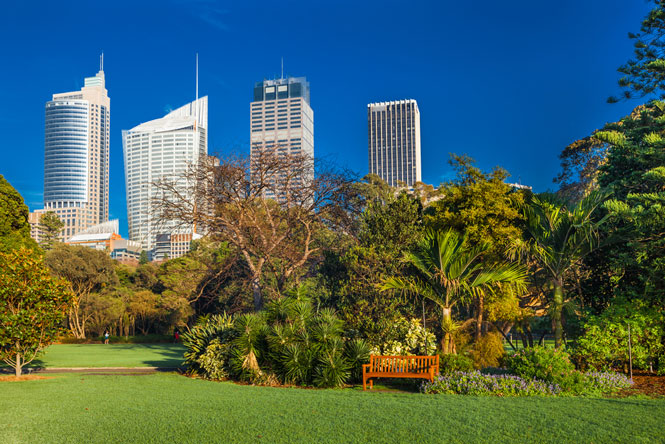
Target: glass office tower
(76, 156)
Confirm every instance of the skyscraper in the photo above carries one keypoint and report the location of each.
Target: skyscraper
(394, 141)
(76, 156)
(161, 149)
(281, 116)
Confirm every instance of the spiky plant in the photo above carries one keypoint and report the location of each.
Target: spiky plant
(200, 336)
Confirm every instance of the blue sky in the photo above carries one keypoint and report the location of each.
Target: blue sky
(508, 83)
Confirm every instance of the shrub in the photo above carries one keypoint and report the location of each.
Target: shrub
(546, 364)
(449, 363)
(604, 344)
(214, 360)
(408, 337)
(206, 330)
(357, 353)
(476, 383)
(488, 351)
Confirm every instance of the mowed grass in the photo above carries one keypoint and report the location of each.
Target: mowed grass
(111, 355)
(161, 408)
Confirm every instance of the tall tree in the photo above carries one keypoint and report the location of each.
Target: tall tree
(449, 271)
(86, 271)
(559, 238)
(482, 207)
(267, 206)
(14, 225)
(50, 225)
(32, 307)
(645, 74)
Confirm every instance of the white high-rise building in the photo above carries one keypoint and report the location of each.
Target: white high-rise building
(394, 141)
(161, 148)
(76, 156)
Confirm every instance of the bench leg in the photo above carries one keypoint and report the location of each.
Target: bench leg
(371, 384)
(364, 383)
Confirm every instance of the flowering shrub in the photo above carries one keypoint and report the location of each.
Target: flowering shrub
(410, 338)
(476, 383)
(606, 382)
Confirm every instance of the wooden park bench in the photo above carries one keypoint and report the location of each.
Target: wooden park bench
(425, 367)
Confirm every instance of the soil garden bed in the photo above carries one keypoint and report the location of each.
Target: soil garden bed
(645, 383)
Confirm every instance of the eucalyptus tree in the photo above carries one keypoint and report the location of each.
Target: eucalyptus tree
(449, 271)
(558, 237)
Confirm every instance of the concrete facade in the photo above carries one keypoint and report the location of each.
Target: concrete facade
(394, 141)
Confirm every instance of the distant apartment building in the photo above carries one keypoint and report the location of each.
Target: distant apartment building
(394, 141)
(171, 246)
(161, 149)
(76, 156)
(281, 117)
(105, 237)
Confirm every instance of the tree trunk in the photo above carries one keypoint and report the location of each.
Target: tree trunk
(479, 318)
(256, 289)
(557, 310)
(18, 365)
(447, 343)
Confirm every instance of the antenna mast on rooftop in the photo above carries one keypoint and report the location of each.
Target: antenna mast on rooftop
(196, 102)
(282, 77)
(101, 62)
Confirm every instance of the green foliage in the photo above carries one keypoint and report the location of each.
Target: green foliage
(389, 225)
(289, 340)
(50, 226)
(644, 75)
(604, 344)
(448, 271)
(357, 353)
(14, 225)
(407, 337)
(208, 330)
(449, 363)
(32, 306)
(143, 258)
(87, 272)
(488, 351)
(559, 237)
(479, 205)
(546, 364)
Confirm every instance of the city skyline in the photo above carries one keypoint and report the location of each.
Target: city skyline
(520, 74)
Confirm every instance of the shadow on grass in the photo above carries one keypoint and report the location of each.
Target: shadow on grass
(394, 385)
(161, 355)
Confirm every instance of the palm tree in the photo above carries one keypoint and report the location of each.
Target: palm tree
(558, 238)
(449, 271)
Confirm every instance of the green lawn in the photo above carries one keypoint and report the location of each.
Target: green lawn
(161, 408)
(111, 355)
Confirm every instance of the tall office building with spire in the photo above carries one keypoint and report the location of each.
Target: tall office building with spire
(161, 149)
(281, 116)
(394, 141)
(76, 155)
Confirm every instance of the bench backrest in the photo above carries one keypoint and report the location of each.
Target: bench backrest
(403, 364)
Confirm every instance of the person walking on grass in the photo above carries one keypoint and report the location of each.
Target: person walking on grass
(106, 336)
(176, 335)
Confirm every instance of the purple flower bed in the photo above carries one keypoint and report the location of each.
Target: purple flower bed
(476, 383)
(607, 381)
